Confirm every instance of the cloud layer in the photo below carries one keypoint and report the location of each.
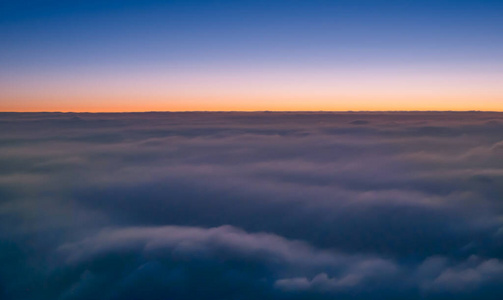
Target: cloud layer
(251, 205)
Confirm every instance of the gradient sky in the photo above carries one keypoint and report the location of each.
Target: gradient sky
(251, 55)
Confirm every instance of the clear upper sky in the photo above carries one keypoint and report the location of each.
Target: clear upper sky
(251, 55)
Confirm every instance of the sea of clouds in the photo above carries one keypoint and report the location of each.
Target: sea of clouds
(251, 206)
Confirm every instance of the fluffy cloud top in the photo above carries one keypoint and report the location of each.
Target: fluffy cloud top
(251, 205)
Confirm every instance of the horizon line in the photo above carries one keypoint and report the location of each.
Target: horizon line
(259, 111)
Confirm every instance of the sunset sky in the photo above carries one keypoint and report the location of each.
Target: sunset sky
(254, 149)
(250, 55)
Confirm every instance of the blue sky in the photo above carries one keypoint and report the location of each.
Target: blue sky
(48, 42)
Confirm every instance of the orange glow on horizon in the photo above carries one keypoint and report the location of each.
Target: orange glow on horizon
(330, 89)
(261, 104)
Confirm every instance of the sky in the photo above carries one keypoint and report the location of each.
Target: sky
(246, 206)
(251, 55)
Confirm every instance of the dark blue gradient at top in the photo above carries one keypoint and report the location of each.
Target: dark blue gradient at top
(65, 34)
